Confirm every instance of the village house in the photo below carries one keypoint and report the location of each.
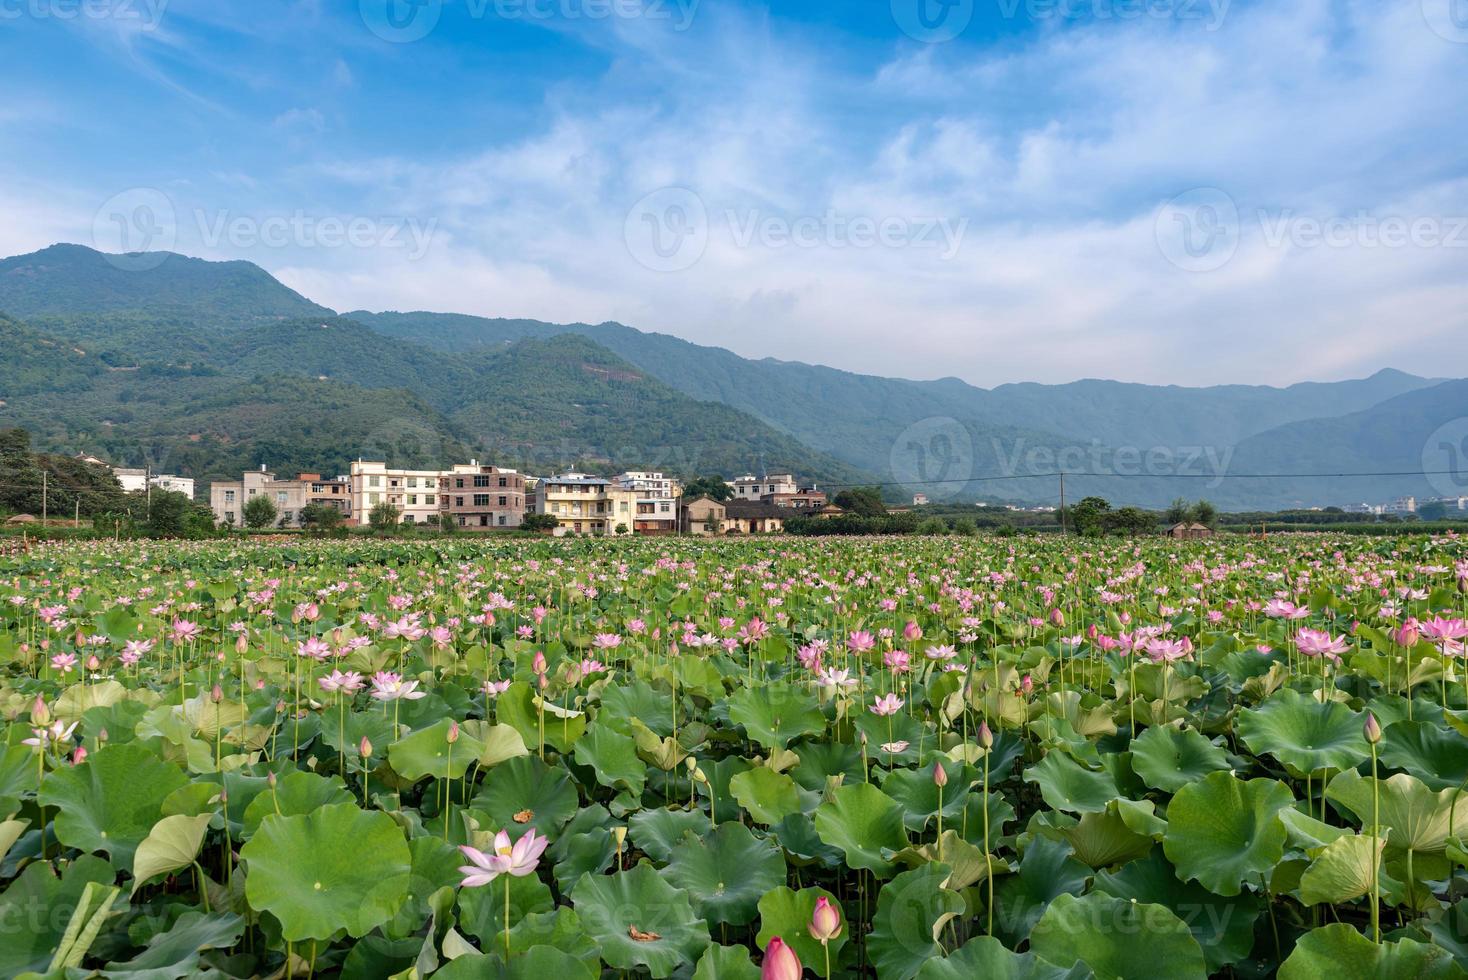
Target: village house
(657, 500)
(413, 493)
(583, 504)
(227, 499)
(1189, 531)
(478, 498)
(702, 516)
(754, 517)
(136, 480)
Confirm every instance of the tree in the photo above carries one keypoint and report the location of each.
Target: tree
(862, 501)
(708, 486)
(448, 523)
(1205, 513)
(1435, 511)
(1089, 516)
(321, 517)
(1177, 512)
(259, 512)
(382, 516)
(1130, 520)
(932, 526)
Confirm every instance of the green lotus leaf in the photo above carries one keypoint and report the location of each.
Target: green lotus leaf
(1065, 785)
(500, 742)
(967, 864)
(173, 843)
(613, 756)
(819, 760)
(18, 776)
(427, 752)
(1103, 840)
(527, 788)
(1117, 939)
(37, 907)
(1419, 819)
(1432, 753)
(917, 794)
(639, 920)
(986, 957)
(435, 865)
(536, 963)
(726, 873)
(175, 953)
(1046, 871)
(1307, 833)
(344, 737)
(774, 714)
(1339, 950)
(657, 832)
(297, 792)
(1342, 871)
(769, 796)
(110, 801)
(1169, 758)
(787, 913)
(482, 909)
(78, 699)
(912, 909)
(1224, 927)
(622, 702)
(560, 928)
(337, 868)
(1305, 734)
(10, 831)
(865, 824)
(726, 963)
(1222, 830)
(519, 708)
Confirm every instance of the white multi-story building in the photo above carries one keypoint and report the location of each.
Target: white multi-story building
(414, 493)
(750, 487)
(656, 503)
(1402, 505)
(136, 480)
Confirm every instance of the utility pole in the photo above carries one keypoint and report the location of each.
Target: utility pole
(148, 485)
(43, 498)
(76, 516)
(1062, 503)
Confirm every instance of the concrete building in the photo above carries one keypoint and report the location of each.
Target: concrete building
(478, 498)
(657, 500)
(1402, 505)
(136, 480)
(228, 498)
(919, 500)
(414, 493)
(584, 504)
(702, 516)
(750, 487)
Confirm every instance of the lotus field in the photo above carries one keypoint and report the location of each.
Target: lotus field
(937, 758)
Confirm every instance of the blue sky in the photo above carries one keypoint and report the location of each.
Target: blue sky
(1181, 191)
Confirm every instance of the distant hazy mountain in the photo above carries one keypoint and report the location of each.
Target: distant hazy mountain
(115, 351)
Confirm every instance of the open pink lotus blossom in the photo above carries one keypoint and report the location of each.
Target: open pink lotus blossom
(888, 704)
(516, 859)
(388, 686)
(1317, 643)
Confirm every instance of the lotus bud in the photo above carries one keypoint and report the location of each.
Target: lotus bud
(79, 756)
(364, 747)
(1057, 618)
(93, 663)
(1406, 635)
(241, 644)
(102, 735)
(1026, 684)
(986, 737)
(912, 632)
(940, 775)
(217, 694)
(271, 780)
(691, 763)
(619, 834)
(40, 714)
(780, 962)
(538, 664)
(825, 921)
(453, 733)
(1372, 729)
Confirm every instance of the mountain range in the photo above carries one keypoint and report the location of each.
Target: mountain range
(207, 368)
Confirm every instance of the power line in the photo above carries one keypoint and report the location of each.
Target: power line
(1058, 474)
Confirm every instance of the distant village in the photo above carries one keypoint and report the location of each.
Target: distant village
(476, 497)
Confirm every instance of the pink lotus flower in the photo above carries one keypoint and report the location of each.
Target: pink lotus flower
(860, 641)
(1317, 643)
(495, 688)
(388, 686)
(606, 641)
(780, 962)
(825, 921)
(315, 648)
(888, 704)
(184, 631)
(898, 661)
(912, 632)
(1438, 628)
(1168, 651)
(1282, 609)
(350, 682)
(516, 859)
(64, 662)
(941, 652)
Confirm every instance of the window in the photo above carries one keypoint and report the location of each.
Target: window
(481, 481)
(484, 520)
(229, 517)
(374, 481)
(430, 500)
(463, 521)
(229, 496)
(412, 500)
(502, 501)
(502, 520)
(374, 498)
(280, 497)
(412, 481)
(481, 500)
(459, 501)
(503, 483)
